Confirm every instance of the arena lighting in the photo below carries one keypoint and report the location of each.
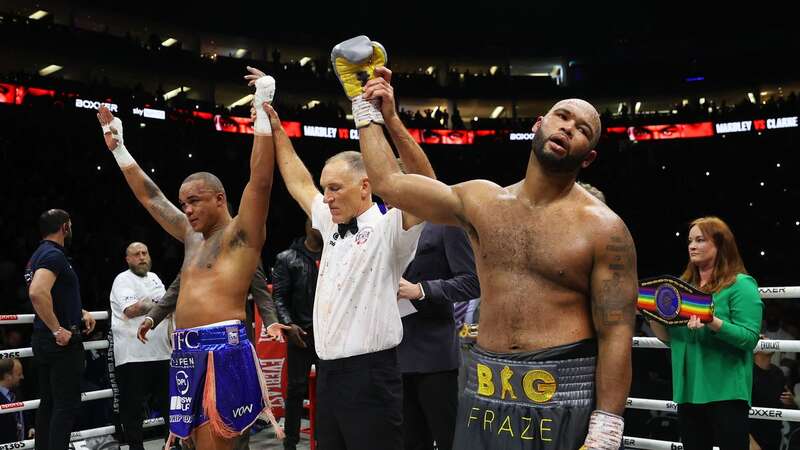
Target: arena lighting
(242, 101)
(538, 74)
(52, 68)
(169, 42)
(751, 97)
(312, 104)
(497, 111)
(240, 52)
(430, 70)
(637, 107)
(493, 70)
(304, 60)
(176, 91)
(702, 100)
(38, 14)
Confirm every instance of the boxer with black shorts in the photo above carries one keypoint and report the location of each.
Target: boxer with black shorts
(557, 268)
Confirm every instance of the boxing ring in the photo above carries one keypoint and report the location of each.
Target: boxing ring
(768, 346)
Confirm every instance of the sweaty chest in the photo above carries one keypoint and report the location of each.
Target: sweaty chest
(549, 244)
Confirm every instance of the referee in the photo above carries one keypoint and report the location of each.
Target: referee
(57, 345)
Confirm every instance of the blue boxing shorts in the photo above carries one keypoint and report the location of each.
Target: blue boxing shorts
(215, 377)
(526, 401)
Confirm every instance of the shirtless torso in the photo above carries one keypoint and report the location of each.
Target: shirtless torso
(214, 278)
(535, 265)
(555, 264)
(221, 255)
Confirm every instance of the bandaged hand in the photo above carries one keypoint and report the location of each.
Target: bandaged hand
(265, 92)
(112, 133)
(605, 431)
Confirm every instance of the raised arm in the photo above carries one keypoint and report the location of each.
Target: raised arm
(412, 155)
(254, 206)
(421, 196)
(171, 219)
(298, 179)
(355, 61)
(613, 298)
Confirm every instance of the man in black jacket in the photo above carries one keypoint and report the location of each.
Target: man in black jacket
(294, 283)
(442, 272)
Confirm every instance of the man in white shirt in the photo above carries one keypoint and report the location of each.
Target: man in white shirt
(141, 368)
(357, 324)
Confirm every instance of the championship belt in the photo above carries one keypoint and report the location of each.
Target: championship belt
(672, 301)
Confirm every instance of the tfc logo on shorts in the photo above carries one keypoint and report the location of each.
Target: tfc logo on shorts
(186, 339)
(222, 354)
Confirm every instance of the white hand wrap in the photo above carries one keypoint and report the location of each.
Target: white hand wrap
(124, 159)
(366, 111)
(605, 431)
(265, 92)
(115, 128)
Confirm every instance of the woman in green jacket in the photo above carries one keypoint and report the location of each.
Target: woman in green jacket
(712, 364)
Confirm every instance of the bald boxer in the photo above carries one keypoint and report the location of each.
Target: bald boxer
(557, 268)
(216, 387)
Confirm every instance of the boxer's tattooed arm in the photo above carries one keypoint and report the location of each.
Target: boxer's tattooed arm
(162, 207)
(171, 219)
(612, 303)
(614, 290)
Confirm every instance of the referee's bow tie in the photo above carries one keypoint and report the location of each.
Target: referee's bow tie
(351, 226)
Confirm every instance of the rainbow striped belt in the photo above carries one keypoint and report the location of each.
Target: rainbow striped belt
(672, 301)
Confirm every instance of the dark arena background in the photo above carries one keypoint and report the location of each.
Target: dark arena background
(699, 114)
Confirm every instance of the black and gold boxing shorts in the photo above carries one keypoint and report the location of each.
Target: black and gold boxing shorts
(532, 400)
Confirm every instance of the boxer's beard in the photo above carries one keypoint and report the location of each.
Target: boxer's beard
(68, 238)
(550, 161)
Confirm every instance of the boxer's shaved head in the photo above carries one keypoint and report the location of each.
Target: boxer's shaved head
(589, 112)
(564, 138)
(210, 181)
(202, 198)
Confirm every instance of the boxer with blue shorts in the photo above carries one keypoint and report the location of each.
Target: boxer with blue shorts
(215, 378)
